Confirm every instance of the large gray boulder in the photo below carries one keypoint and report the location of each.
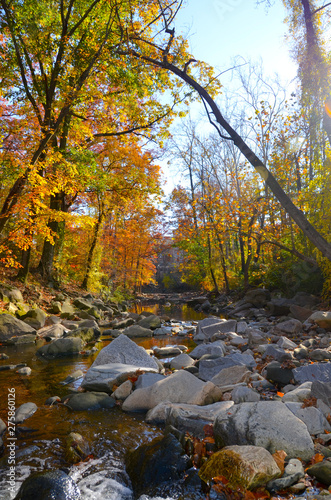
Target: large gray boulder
(313, 418)
(125, 351)
(89, 401)
(269, 424)
(180, 387)
(61, 347)
(104, 377)
(322, 319)
(13, 327)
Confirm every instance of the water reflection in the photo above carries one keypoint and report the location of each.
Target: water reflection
(180, 312)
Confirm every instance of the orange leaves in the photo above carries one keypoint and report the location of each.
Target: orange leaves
(279, 457)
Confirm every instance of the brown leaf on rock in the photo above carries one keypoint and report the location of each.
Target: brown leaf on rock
(279, 457)
(312, 401)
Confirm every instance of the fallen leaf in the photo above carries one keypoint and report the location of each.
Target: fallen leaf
(279, 457)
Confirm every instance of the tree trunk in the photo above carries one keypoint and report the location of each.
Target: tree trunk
(91, 251)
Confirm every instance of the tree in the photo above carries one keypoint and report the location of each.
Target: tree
(164, 57)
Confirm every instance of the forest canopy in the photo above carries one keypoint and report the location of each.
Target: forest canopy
(88, 92)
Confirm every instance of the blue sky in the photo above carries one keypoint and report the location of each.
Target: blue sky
(219, 30)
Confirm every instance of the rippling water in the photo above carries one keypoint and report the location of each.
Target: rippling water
(40, 442)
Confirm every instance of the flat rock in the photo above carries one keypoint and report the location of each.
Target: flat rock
(180, 387)
(313, 372)
(286, 343)
(150, 322)
(231, 376)
(181, 361)
(276, 352)
(206, 330)
(208, 368)
(243, 394)
(172, 350)
(104, 377)
(262, 424)
(290, 327)
(124, 351)
(13, 327)
(247, 467)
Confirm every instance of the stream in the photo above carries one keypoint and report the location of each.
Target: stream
(112, 433)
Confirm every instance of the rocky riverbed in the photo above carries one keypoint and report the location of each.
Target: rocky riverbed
(227, 407)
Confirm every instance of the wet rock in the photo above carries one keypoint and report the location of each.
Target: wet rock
(61, 347)
(217, 348)
(321, 471)
(180, 387)
(313, 418)
(89, 401)
(247, 467)
(262, 424)
(87, 334)
(52, 400)
(151, 322)
(71, 378)
(135, 331)
(26, 370)
(164, 330)
(322, 319)
(25, 411)
(313, 372)
(104, 377)
(10, 327)
(28, 338)
(152, 464)
(47, 485)
(77, 448)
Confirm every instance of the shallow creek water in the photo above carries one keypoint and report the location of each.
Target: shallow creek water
(112, 433)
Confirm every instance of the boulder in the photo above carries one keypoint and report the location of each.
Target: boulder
(147, 379)
(217, 348)
(135, 331)
(13, 327)
(160, 461)
(180, 387)
(208, 368)
(286, 343)
(61, 347)
(276, 352)
(35, 318)
(172, 350)
(86, 334)
(125, 351)
(231, 376)
(299, 394)
(289, 327)
(82, 303)
(322, 472)
(313, 418)
(186, 417)
(209, 326)
(321, 390)
(280, 307)
(322, 319)
(77, 448)
(151, 322)
(181, 361)
(275, 373)
(313, 372)
(243, 394)
(300, 313)
(55, 331)
(245, 467)
(48, 484)
(89, 401)
(262, 424)
(104, 377)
